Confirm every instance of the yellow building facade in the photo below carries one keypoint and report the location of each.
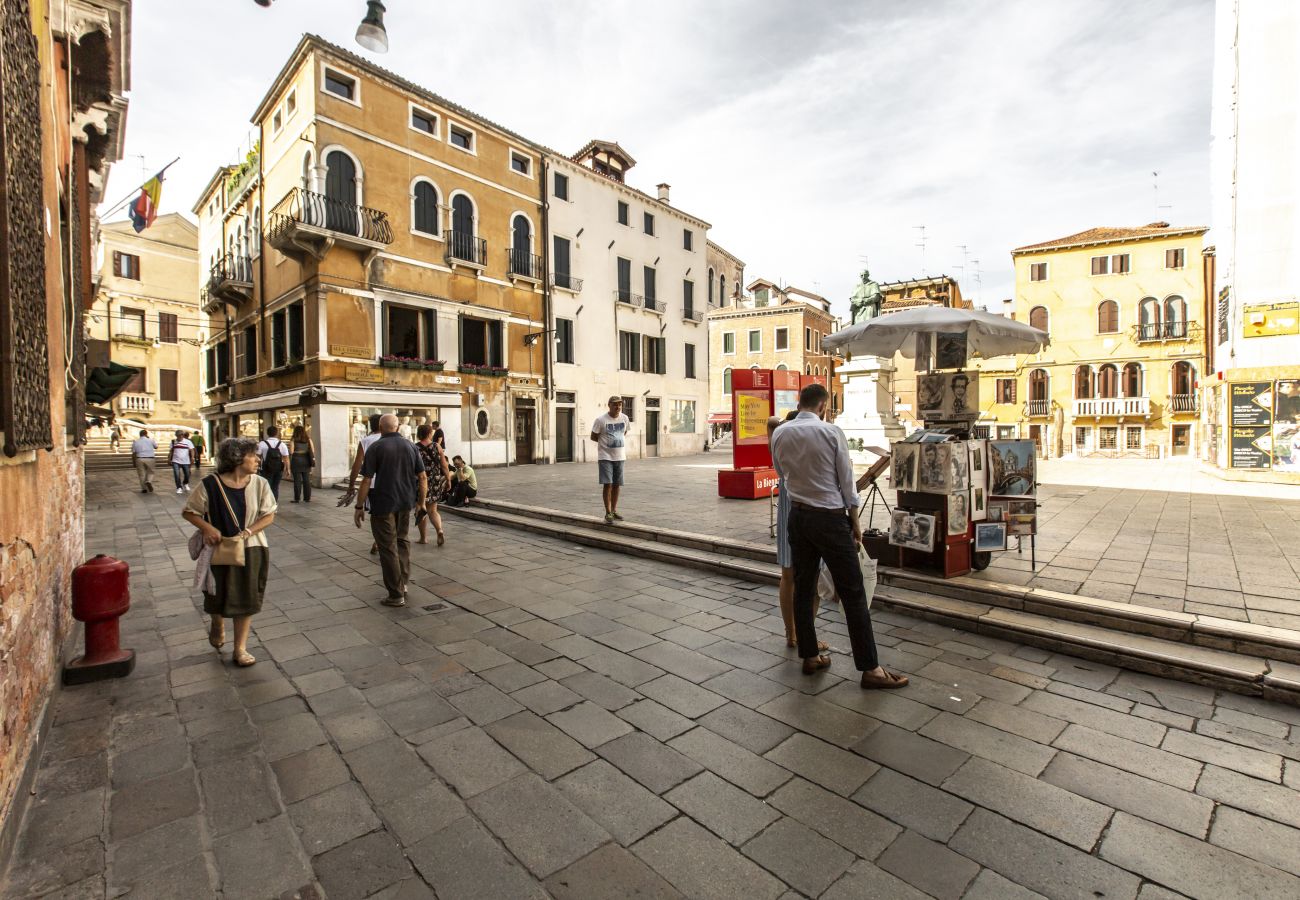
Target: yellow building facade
(1125, 308)
(146, 315)
(379, 251)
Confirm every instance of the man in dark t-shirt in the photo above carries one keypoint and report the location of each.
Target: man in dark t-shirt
(394, 482)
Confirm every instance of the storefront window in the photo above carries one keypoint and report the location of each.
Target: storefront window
(409, 419)
(289, 418)
(682, 418)
(250, 426)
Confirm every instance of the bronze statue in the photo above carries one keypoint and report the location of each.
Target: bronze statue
(866, 300)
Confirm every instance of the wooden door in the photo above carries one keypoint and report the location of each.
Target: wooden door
(525, 421)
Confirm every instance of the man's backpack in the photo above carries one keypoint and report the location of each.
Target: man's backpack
(273, 462)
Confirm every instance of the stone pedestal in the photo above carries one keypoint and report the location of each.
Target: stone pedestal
(868, 414)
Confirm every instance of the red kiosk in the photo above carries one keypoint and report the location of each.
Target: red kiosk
(756, 395)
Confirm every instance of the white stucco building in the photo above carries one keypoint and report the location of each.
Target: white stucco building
(629, 288)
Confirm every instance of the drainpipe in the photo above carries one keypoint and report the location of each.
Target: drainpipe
(260, 287)
(548, 323)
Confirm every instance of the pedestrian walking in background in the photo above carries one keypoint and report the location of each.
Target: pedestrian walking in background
(464, 483)
(274, 454)
(200, 449)
(301, 462)
(784, 557)
(143, 451)
(813, 457)
(181, 456)
(393, 484)
(235, 503)
(114, 438)
(438, 475)
(362, 445)
(610, 431)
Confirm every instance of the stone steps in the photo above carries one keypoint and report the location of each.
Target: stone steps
(1235, 656)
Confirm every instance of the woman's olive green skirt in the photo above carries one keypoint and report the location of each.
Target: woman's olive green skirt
(239, 588)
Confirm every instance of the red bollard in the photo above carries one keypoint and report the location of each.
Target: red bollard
(100, 596)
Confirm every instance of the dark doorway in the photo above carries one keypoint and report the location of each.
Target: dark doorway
(652, 432)
(563, 435)
(1036, 435)
(1182, 440)
(525, 428)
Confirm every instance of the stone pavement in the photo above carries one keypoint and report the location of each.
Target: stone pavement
(1231, 554)
(553, 720)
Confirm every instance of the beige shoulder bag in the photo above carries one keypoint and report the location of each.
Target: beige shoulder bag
(230, 552)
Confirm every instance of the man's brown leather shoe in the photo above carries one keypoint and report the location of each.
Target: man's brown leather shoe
(885, 682)
(814, 664)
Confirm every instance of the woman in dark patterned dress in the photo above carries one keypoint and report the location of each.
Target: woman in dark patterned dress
(435, 465)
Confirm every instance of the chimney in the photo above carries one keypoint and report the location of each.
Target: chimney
(663, 192)
(1006, 308)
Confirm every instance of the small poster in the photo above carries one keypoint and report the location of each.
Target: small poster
(958, 513)
(934, 471)
(916, 532)
(996, 512)
(950, 350)
(959, 463)
(1252, 403)
(1022, 518)
(751, 418)
(990, 536)
(1286, 402)
(903, 466)
(978, 505)
(1285, 447)
(977, 454)
(1011, 468)
(1251, 446)
(947, 396)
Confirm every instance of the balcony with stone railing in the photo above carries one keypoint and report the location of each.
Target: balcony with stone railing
(1112, 407)
(1037, 408)
(134, 404)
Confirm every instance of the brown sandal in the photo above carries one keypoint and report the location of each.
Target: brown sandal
(822, 646)
(243, 659)
(890, 681)
(815, 664)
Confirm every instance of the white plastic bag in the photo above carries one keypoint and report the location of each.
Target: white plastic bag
(826, 587)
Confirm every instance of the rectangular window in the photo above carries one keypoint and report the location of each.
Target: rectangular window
(648, 223)
(1082, 438)
(168, 385)
(481, 342)
(688, 297)
(246, 353)
(279, 339)
(297, 331)
(564, 340)
(782, 340)
(807, 340)
(291, 104)
(623, 213)
(629, 408)
(1175, 259)
(688, 239)
(561, 273)
(167, 327)
(341, 85)
(625, 280)
(1038, 271)
(461, 137)
(131, 323)
(277, 121)
(424, 121)
(1006, 390)
(1109, 437)
(629, 352)
(755, 340)
(1133, 438)
(1101, 265)
(1119, 264)
(561, 189)
(653, 359)
(126, 265)
(690, 360)
(729, 343)
(648, 277)
(410, 332)
(138, 384)
(520, 163)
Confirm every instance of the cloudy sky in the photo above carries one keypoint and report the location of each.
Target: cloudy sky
(810, 133)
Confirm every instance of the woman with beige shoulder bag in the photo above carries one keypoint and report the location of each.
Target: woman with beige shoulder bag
(232, 511)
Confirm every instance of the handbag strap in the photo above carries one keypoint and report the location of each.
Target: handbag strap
(230, 509)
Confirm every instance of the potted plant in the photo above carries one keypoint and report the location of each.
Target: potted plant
(500, 371)
(468, 368)
(434, 365)
(408, 363)
(389, 361)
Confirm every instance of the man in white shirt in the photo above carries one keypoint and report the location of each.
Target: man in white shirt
(813, 457)
(610, 432)
(275, 459)
(181, 458)
(143, 451)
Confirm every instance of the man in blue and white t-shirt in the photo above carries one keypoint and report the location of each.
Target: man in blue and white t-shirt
(610, 432)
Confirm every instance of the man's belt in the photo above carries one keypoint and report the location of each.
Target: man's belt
(811, 508)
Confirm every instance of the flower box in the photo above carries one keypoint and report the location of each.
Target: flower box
(434, 365)
(499, 371)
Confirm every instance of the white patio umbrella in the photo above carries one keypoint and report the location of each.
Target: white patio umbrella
(987, 335)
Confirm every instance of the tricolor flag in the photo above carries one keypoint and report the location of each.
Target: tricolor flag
(145, 208)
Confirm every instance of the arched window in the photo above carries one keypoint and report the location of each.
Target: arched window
(463, 244)
(1038, 318)
(781, 367)
(722, 290)
(1108, 381)
(1038, 385)
(1184, 377)
(1108, 317)
(1083, 383)
(726, 380)
(710, 286)
(521, 245)
(1132, 380)
(424, 208)
(807, 370)
(341, 193)
(1149, 319)
(1175, 317)
(306, 171)
(255, 231)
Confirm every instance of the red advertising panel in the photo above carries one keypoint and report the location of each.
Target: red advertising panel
(785, 392)
(751, 406)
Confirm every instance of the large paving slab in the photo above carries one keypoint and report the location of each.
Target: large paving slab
(549, 719)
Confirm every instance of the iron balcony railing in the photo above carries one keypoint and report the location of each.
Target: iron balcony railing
(566, 281)
(1035, 408)
(1182, 403)
(466, 247)
(524, 264)
(693, 315)
(641, 301)
(231, 267)
(1166, 331)
(302, 207)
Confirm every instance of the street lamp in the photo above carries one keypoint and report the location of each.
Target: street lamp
(371, 33)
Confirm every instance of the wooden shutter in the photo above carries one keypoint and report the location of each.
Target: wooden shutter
(168, 386)
(167, 328)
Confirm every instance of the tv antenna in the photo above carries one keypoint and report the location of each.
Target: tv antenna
(1155, 188)
(921, 244)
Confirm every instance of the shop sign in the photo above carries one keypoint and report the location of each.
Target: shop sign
(446, 379)
(1252, 403)
(1268, 319)
(364, 374)
(1250, 447)
(348, 350)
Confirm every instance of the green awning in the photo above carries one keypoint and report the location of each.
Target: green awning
(103, 383)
